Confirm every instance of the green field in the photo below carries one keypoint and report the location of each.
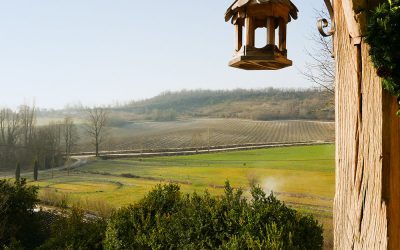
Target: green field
(294, 173)
(302, 176)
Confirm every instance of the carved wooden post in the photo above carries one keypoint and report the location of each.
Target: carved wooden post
(271, 31)
(282, 34)
(367, 200)
(250, 31)
(239, 36)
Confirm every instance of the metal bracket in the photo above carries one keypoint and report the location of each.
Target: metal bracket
(323, 23)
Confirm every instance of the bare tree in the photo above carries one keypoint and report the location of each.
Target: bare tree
(47, 144)
(320, 70)
(28, 125)
(70, 135)
(96, 123)
(9, 133)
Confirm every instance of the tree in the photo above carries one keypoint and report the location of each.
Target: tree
(320, 69)
(18, 172)
(70, 135)
(17, 202)
(76, 232)
(95, 127)
(9, 136)
(28, 125)
(36, 170)
(28, 122)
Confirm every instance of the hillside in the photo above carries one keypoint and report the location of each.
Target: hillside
(204, 132)
(262, 104)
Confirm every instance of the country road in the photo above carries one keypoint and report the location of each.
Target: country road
(191, 151)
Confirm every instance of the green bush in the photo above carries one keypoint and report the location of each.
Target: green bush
(168, 219)
(384, 38)
(19, 225)
(76, 232)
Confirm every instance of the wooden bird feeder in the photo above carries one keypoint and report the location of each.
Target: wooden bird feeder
(253, 14)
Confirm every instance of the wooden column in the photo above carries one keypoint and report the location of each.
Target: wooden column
(239, 36)
(250, 31)
(282, 34)
(271, 31)
(367, 199)
(391, 170)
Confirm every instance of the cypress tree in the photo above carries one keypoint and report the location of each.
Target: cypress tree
(36, 170)
(18, 172)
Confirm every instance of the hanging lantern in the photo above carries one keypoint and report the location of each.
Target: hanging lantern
(253, 14)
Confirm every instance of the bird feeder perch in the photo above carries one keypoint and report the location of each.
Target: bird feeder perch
(253, 14)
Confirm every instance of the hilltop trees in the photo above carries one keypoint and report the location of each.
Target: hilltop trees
(256, 104)
(95, 127)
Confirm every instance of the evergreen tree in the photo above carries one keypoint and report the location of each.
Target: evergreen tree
(18, 172)
(36, 170)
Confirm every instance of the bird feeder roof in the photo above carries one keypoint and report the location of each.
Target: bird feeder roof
(239, 5)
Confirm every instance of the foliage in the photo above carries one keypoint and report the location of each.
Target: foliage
(167, 219)
(18, 172)
(76, 232)
(18, 222)
(35, 170)
(384, 38)
(22, 141)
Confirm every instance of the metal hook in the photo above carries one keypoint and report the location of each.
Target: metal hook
(323, 23)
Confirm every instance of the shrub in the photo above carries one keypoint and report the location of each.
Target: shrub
(19, 225)
(76, 232)
(384, 40)
(168, 219)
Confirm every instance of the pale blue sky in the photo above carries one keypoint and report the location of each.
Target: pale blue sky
(99, 51)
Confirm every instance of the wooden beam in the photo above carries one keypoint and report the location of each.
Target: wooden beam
(250, 31)
(391, 169)
(282, 34)
(271, 31)
(239, 36)
(367, 201)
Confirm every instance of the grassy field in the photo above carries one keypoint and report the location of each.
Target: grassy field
(302, 176)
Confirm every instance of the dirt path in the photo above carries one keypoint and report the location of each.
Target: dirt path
(175, 152)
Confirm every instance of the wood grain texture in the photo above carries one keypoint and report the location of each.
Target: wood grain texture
(282, 34)
(250, 31)
(391, 170)
(367, 200)
(270, 31)
(239, 37)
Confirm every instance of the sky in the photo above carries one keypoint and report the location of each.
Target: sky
(97, 52)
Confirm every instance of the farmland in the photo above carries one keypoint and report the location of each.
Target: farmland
(204, 132)
(303, 177)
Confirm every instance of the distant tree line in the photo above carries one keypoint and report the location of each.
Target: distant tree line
(23, 142)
